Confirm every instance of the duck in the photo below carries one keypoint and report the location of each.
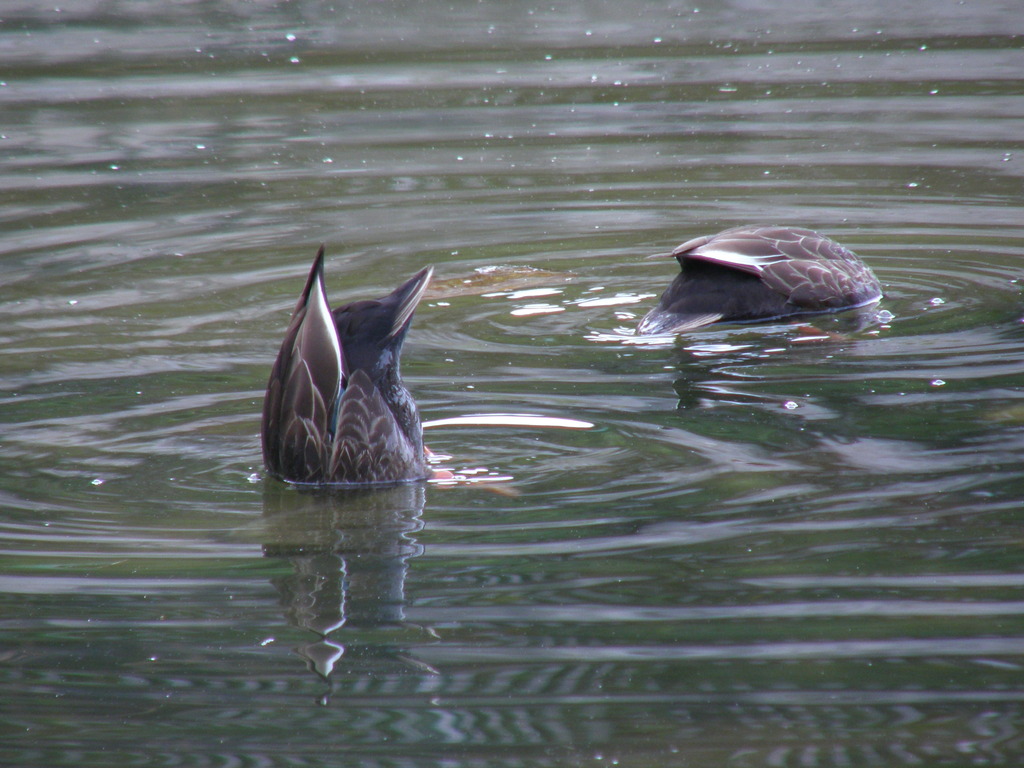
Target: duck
(753, 273)
(336, 411)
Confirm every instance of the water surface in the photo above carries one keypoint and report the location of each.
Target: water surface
(773, 546)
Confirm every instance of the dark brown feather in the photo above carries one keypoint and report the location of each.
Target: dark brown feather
(370, 446)
(336, 410)
(760, 273)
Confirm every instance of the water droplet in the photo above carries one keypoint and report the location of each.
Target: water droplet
(97, 481)
(789, 405)
(937, 302)
(937, 382)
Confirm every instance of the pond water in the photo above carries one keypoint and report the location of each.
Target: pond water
(765, 546)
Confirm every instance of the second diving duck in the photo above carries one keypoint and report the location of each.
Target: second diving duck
(759, 273)
(336, 410)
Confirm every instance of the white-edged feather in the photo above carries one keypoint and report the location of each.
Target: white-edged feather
(727, 257)
(319, 322)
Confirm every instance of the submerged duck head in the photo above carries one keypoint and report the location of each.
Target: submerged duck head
(336, 410)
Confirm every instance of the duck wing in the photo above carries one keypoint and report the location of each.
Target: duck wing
(300, 406)
(370, 446)
(812, 271)
(742, 248)
(823, 285)
(817, 272)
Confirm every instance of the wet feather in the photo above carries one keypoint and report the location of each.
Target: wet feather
(759, 273)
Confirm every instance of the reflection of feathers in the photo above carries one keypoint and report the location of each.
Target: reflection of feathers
(760, 273)
(336, 410)
(349, 553)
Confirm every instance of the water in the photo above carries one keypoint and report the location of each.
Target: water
(768, 548)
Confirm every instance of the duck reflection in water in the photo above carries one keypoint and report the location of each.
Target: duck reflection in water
(349, 552)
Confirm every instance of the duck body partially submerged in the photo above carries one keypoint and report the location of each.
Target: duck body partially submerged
(756, 273)
(336, 411)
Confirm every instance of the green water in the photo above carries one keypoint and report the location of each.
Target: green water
(765, 551)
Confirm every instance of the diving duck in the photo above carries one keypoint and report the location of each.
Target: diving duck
(759, 273)
(336, 410)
